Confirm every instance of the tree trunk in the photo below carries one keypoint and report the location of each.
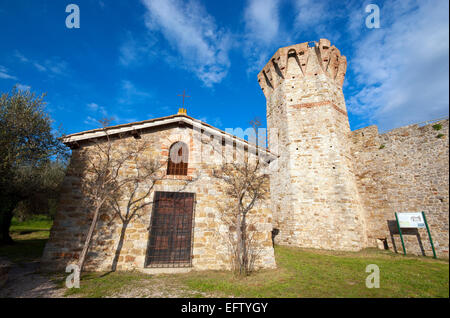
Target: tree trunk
(244, 246)
(119, 246)
(6, 209)
(238, 244)
(6, 217)
(87, 243)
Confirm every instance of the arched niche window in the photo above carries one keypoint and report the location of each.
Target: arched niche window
(178, 159)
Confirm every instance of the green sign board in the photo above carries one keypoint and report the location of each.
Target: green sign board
(413, 220)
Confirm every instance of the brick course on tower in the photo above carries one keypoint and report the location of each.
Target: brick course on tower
(314, 196)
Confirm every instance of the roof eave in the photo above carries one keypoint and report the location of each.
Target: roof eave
(101, 132)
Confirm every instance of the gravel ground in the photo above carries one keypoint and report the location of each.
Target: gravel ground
(25, 281)
(158, 288)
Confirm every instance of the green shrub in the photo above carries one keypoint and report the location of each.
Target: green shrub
(437, 127)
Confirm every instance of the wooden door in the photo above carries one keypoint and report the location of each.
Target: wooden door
(171, 230)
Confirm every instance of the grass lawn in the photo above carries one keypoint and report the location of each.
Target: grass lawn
(29, 236)
(34, 223)
(300, 273)
(312, 273)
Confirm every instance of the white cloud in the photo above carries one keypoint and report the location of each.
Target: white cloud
(91, 121)
(317, 19)
(216, 121)
(135, 51)
(193, 33)
(4, 74)
(92, 106)
(97, 109)
(265, 32)
(262, 31)
(39, 67)
(130, 94)
(121, 120)
(310, 13)
(262, 20)
(23, 87)
(128, 53)
(356, 15)
(403, 67)
(400, 70)
(21, 57)
(97, 112)
(56, 66)
(165, 108)
(53, 66)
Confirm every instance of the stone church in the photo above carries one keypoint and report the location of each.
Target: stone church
(330, 187)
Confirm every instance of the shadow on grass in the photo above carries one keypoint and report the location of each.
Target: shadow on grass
(28, 245)
(97, 284)
(318, 273)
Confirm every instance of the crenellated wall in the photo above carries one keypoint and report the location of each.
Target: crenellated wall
(404, 170)
(314, 195)
(337, 189)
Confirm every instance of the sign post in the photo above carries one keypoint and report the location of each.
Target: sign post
(400, 231)
(413, 220)
(429, 234)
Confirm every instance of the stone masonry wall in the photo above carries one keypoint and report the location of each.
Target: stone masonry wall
(210, 249)
(404, 170)
(314, 193)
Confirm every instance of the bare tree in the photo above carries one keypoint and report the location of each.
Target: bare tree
(246, 184)
(104, 181)
(121, 177)
(260, 134)
(136, 191)
(137, 188)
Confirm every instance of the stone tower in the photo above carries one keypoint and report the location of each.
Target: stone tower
(315, 200)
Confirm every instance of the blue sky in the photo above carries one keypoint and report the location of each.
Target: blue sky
(130, 59)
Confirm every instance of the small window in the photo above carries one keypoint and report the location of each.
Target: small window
(178, 159)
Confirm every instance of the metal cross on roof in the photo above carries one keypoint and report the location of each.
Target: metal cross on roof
(184, 96)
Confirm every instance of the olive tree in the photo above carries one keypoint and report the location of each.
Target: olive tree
(28, 146)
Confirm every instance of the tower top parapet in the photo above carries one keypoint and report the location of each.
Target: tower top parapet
(312, 58)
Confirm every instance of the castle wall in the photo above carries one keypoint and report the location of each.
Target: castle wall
(210, 245)
(404, 170)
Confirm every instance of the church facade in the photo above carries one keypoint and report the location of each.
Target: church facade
(183, 227)
(330, 187)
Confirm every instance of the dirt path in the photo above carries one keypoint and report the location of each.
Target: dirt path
(159, 287)
(24, 281)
